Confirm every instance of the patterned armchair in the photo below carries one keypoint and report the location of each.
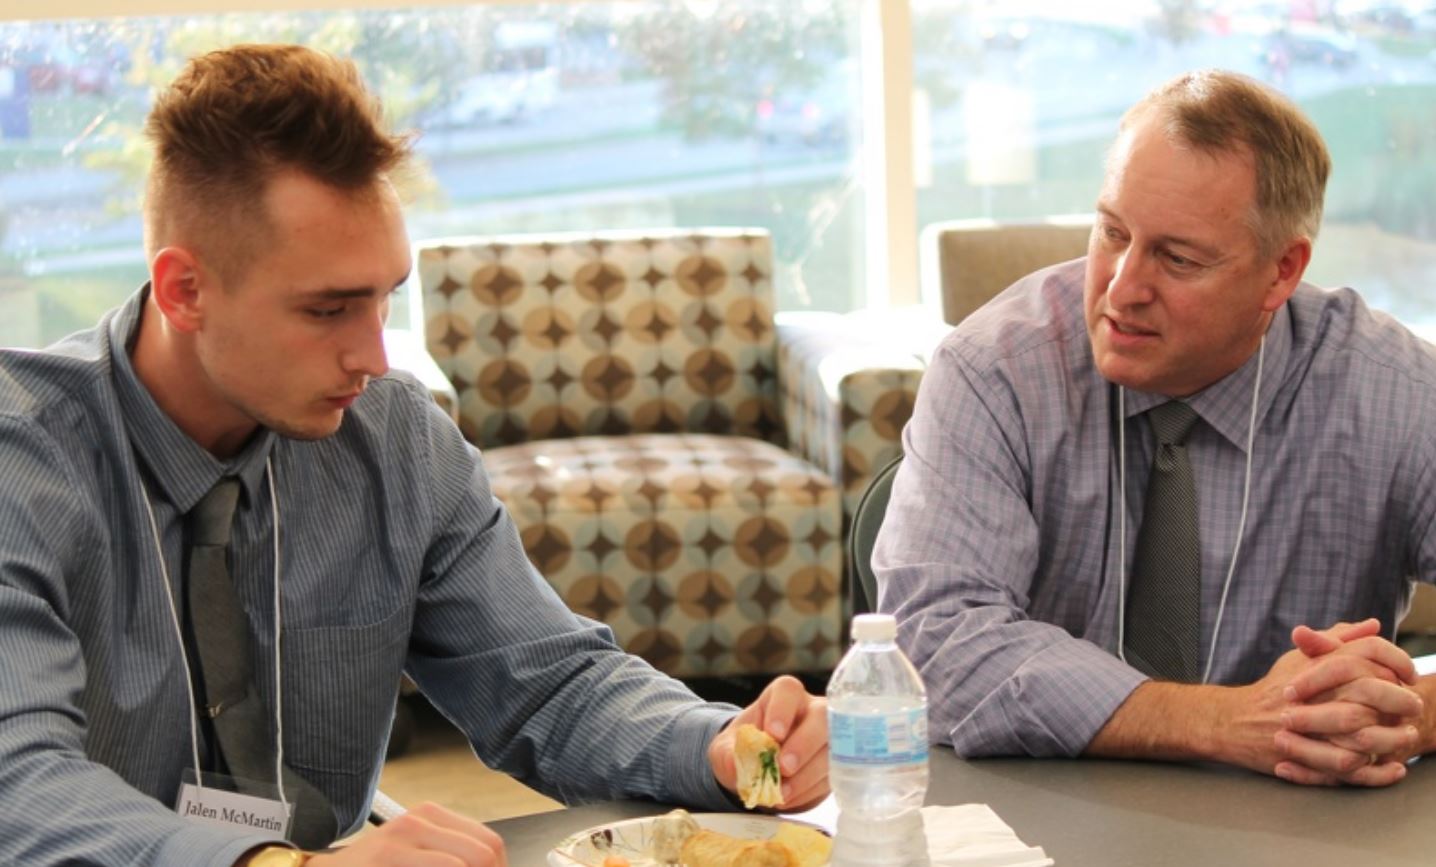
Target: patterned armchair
(677, 465)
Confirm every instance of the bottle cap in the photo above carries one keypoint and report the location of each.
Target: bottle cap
(874, 627)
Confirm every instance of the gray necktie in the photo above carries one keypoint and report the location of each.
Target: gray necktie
(242, 726)
(1163, 629)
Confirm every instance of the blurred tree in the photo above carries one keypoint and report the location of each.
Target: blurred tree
(397, 54)
(719, 58)
(1178, 20)
(938, 39)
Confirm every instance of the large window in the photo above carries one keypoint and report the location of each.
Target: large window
(1026, 97)
(643, 113)
(533, 117)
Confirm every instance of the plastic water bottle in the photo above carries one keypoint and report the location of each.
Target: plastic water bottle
(877, 732)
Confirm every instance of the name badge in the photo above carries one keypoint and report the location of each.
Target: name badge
(215, 806)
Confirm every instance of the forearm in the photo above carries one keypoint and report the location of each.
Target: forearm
(1187, 722)
(1237, 725)
(578, 718)
(581, 721)
(1003, 685)
(542, 693)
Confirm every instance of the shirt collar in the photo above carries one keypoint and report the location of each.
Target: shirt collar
(183, 470)
(1226, 403)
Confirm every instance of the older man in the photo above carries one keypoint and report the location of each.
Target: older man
(1136, 484)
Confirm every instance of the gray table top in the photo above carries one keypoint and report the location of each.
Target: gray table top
(1090, 813)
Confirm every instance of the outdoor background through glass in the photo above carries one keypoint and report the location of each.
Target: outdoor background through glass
(1026, 96)
(583, 115)
(534, 117)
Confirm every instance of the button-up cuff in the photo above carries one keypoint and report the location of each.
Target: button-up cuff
(691, 780)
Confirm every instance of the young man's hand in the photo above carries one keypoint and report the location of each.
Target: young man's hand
(799, 723)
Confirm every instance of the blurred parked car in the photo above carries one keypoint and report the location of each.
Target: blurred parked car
(90, 79)
(817, 118)
(1381, 17)
(45, 77)
(1313, 45)
(14, 107)
(520, 77)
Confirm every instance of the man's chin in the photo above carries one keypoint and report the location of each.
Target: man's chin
(1122, 371)
(307, 431)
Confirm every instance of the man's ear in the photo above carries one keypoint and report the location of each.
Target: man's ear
(1290, 266)
(175, 282)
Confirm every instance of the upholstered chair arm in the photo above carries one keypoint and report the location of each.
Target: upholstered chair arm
(845, 393)
(405, 350)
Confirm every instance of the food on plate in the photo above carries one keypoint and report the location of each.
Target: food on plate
(756, 755)
(677, 839)
(810, 847)
(712, 849)
(670, 832)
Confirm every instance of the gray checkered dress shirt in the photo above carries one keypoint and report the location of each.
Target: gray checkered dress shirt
(395, 557)
(999, 553)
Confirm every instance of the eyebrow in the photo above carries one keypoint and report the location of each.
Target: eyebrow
(1203, 249)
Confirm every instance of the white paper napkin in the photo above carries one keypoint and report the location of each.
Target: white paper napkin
(967, 835)
(972, 835)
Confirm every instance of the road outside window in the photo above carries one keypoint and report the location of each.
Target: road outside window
(533, 117)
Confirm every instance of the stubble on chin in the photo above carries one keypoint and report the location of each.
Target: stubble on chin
(317, 429)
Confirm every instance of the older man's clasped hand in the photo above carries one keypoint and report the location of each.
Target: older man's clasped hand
(1348, 710)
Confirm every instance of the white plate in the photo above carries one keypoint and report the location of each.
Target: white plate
(629, 838)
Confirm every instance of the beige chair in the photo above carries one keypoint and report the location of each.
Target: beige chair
(965, 263)
(679, 463)
(1421, 616)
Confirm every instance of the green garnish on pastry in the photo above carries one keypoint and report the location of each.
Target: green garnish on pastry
(760, 781)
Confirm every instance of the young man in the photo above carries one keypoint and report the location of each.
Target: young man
(226, 528)
(1132, 477)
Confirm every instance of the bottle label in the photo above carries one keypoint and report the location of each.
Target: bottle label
(878, 739)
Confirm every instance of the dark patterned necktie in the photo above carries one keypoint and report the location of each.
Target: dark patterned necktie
(227, 695)
(1163, 628)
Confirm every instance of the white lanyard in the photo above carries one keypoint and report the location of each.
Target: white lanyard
(1122, 525)
(184, 655)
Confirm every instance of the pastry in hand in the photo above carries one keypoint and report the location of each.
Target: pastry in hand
(755, 753)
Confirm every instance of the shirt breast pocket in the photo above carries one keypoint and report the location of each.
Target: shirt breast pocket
(340, 685)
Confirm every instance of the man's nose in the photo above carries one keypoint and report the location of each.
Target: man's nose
(1130, 285)
(366, 354)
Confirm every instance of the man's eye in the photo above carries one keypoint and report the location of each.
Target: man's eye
(1182, 262)
(324, 312)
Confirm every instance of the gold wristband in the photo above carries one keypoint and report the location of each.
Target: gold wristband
(278, 856)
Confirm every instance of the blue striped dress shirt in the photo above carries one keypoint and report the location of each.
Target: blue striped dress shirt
(395, 557)
(1000, 553)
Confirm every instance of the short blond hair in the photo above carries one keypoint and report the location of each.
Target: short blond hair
(1216, 111)
(235, 118)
